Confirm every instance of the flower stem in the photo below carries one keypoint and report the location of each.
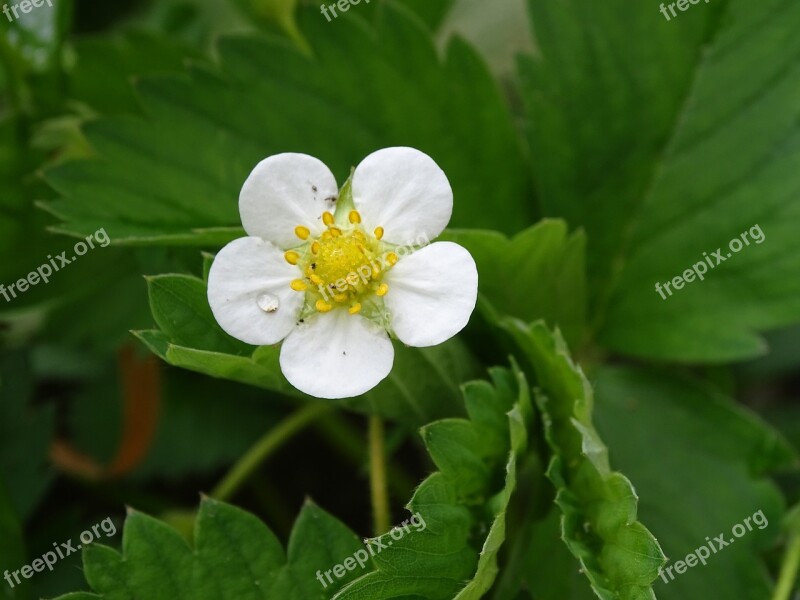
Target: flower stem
(791, 562)
(265, 447)
(377, 472)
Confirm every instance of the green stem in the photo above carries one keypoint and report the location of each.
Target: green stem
(377, 472)
(347, 440)
(791, 562)
(265, 447)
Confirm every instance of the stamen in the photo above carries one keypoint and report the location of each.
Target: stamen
(382, 290)
(323, 306)
(340, 297)
(335, 232)
(354, 217)
(316, 279)
(315, 248)
(356, 308)
(378, 233)
(298, 285)
(292, 257)
(392, 258)
(302, 232)
(327, 218)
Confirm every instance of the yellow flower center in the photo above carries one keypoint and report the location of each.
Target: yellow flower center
(341, 267)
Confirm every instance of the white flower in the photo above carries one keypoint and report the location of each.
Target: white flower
(333, 274)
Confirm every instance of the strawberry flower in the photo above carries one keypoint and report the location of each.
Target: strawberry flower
(333, 275)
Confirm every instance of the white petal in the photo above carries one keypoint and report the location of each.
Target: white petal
(284, 191)
(432, 294)
(248, 279)
(404, 191)
(336, 355)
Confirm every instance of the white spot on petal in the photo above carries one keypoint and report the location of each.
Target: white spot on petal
(268, 303)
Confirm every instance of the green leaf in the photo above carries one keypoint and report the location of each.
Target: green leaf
(538, 274)
(12, 550)
(33, 40)
(701, 466)
(432, 12)
(25, 436)
(180, 308)
(646, 134)
(423, 386)
(435, 561)
(233, 555)
(205, 132)
(618, 555)
(104, 66)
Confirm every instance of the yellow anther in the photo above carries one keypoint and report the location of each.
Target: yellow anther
(340, 297)
(326, 235)
(298, 285)
(376, 270)
(356, 308)
(335, 231)
(378, 233)
(323, 306)
(302, 232)
(327, 218)
(292, 257)
(316, 279)
(392, 258)
(382, 290)
(354, 217)
(315, 248)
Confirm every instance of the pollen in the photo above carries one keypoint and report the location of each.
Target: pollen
(342, 266)
(302, 232)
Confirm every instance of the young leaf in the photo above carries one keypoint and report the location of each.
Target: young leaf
(234, 556)
(435, 562)
(620, 557)
(646, 134)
